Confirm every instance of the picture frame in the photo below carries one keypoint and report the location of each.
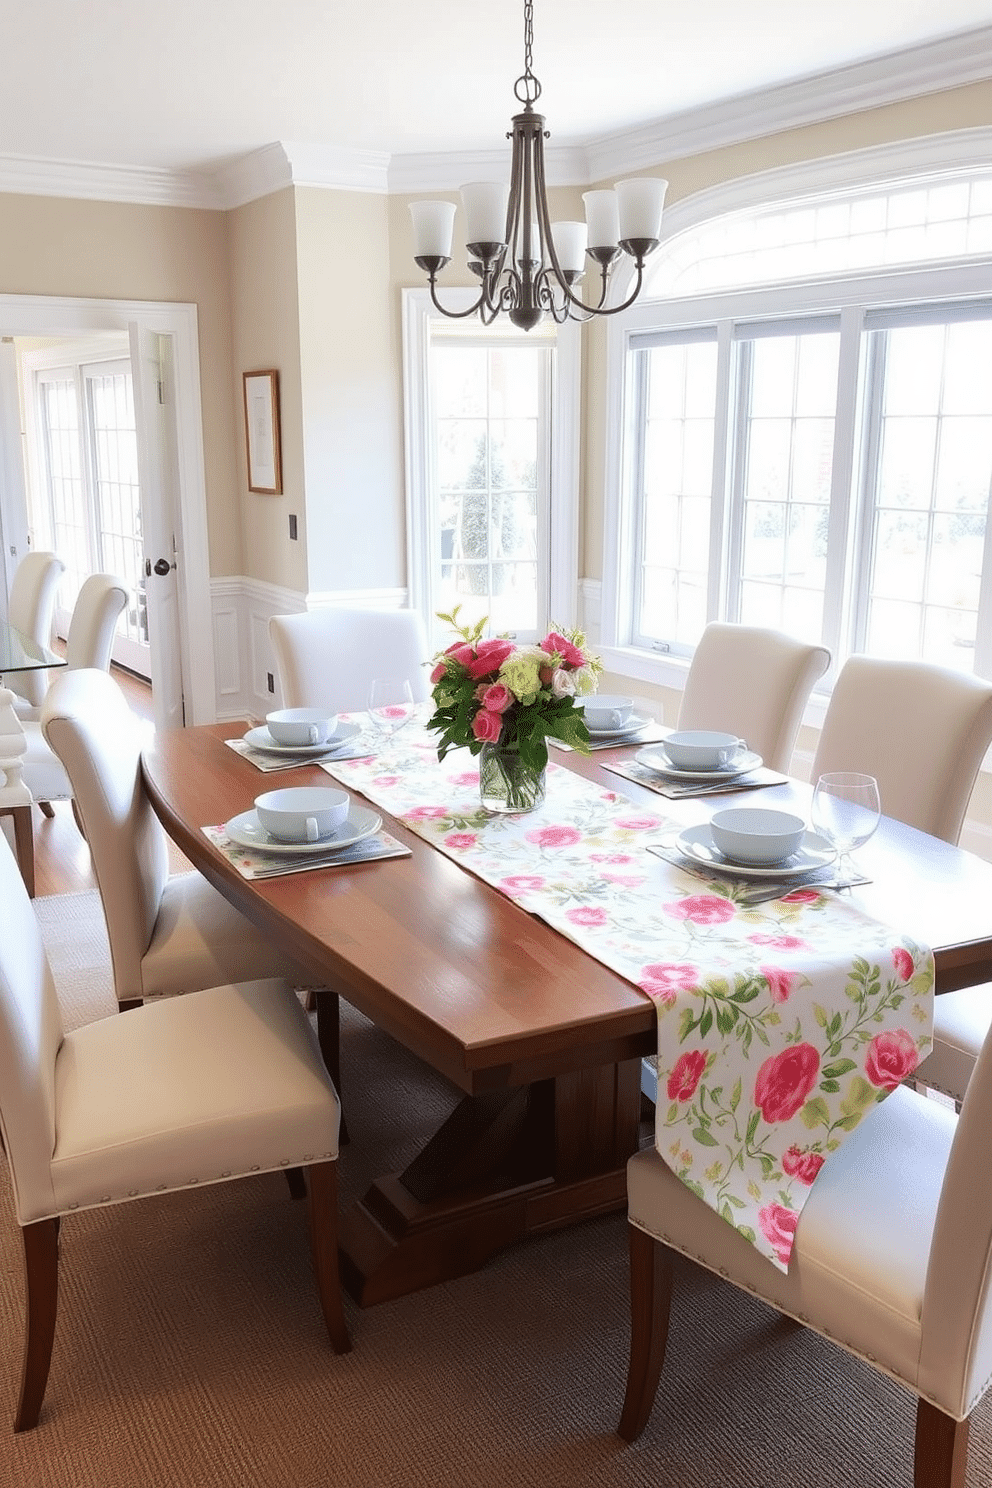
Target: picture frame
(262, 437)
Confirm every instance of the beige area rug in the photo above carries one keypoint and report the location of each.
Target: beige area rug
(190, 1348)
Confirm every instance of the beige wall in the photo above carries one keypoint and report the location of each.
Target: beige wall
(265, 335)
(106, 250)
(351, 380)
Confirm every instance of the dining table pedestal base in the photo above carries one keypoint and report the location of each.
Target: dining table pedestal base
(504, 1165)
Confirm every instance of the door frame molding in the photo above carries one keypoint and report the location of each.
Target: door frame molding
(58, 315)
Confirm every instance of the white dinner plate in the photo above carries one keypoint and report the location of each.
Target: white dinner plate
(656, 759)
(247, 831)
(814, 852)
(633, 725)
(261, 739)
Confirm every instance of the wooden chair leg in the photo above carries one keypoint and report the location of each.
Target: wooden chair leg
(297, 1183)
(941, 1454)
(322, 1179)
(41, 1271)
(24, 845)
(47, 809)
(650, 1303)
(329, 1038)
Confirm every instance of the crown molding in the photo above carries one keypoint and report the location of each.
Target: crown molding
(954, 61)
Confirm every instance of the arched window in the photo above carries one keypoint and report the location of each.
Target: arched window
(806, 414)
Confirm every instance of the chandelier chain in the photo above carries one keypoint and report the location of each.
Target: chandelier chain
(527, 88)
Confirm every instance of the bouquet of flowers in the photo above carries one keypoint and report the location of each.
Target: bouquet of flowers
(516, 697)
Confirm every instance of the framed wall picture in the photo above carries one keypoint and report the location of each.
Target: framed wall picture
(262, 432)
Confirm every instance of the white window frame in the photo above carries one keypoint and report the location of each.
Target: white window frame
(962, 281)
(423, 561)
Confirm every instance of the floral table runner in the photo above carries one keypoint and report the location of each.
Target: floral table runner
(779, 1027)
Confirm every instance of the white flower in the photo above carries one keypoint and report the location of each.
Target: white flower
(563, 683)
(584, 679)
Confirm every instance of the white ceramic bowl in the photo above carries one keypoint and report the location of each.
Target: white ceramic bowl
(301, 726)
(303, 813)
(756, 834)
(604, 711)
(702, 749)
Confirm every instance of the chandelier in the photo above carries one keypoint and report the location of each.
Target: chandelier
(528, 264)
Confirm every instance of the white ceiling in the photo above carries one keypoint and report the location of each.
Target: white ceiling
(185, 85)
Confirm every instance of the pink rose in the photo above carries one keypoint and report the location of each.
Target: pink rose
(664, 979)
(438, 672)
(630, 880)
(487, 726)
(460, 839)
(780, 983)
(801, 896)
(497, 698)
(554, 836)
(890, 1058)
(637, 823)
(785, 1080)
(587, 915)
(801, 1163)
(610, 858)
(427, 813)
(702, 909)
(685, 1076)
(569, 653)
(466, 777)
(778, 1225)
(903, 963)
(489, 657)
(521, 883)
(781, 942)
(462, 653)
(386, 780)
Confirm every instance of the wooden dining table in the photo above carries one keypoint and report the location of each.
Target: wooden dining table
(544, 1041)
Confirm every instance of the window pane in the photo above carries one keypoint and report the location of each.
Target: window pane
(930, 500)
(675, 496)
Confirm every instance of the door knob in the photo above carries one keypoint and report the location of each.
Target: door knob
(162, 567)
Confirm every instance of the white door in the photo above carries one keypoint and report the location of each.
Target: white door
(156, 437)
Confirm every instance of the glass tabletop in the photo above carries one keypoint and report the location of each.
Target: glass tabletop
(19, 653)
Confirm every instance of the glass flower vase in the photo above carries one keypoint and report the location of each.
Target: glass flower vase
(507, 785)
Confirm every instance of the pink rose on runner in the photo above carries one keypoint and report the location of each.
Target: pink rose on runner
(702, 909)
(467, 777)
(778, 1225)
(487, 726)
(460, 839)
(890, 1058)
(628, 880)
(588, 915)
(427, 813)
(785, 1080)
(560, 836)
(686, 1075)
(521, 883)
(780, 983)
(801, 896)
(780, 942)
(903, 963)
(637, 823)
(665, 979)
(386, 780)
(497, 698)
(801, 1163)
(569, 653)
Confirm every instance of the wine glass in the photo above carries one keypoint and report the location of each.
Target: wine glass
(846, 809)
(390, 707)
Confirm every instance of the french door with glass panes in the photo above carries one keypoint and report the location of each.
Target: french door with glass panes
(89, 470)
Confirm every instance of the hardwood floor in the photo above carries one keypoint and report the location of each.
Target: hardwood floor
(62, 863)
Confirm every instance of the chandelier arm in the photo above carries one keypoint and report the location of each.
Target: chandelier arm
(476, 309)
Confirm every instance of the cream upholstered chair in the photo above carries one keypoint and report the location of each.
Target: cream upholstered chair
(921, 730)
(892, 1261)
(754, 682)
(29, 609)
(92, 626)
(167, 934)
(199, 1089)
(327, 658)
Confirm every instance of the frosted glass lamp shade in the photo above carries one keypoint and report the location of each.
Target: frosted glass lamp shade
(485, 211)
(570, 245)
(602, 218)
(640, 205)
(433, 225)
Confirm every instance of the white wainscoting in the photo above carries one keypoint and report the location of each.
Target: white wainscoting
(247, 685)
